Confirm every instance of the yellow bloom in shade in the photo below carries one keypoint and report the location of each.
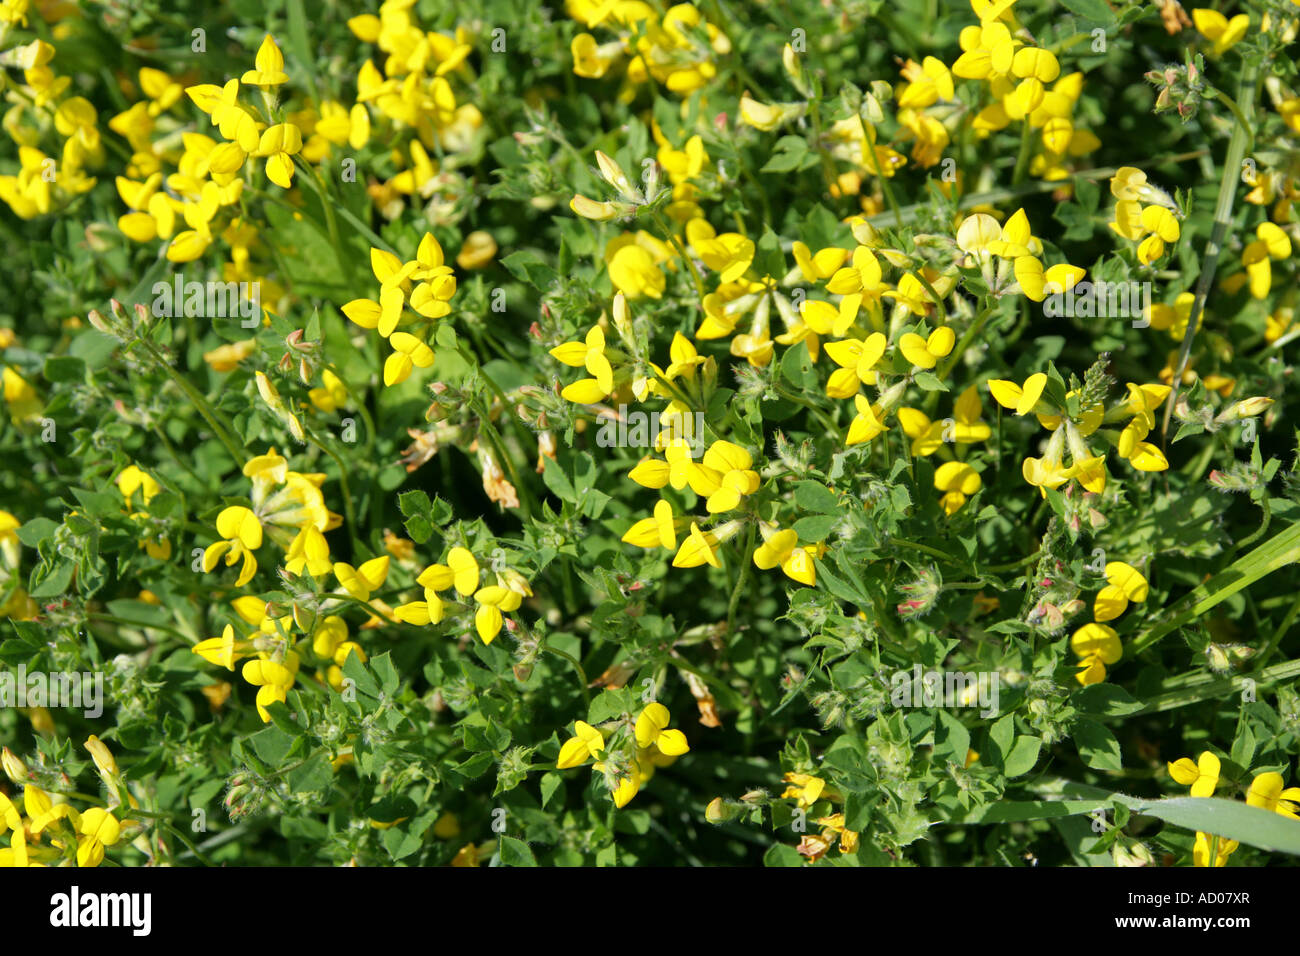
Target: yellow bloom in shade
(866, 425)
(268, 66)
(1266, 793)
(728, 254)
(102, 757)
(781, 549)
(226, 358)
(131, 479)
(224, 650)
(493, 602)
(925, 353)
(805, 788)
(331, 396)
(477, 251)
(1202, 776)
(820, 265)
(734, 466)
(699, 548)
(242, 534)
(1125, 583)
(586, 742)
(634, 271)
(96, 829)
(863, 275)
(591, 354)
(659, 531)
(279, 144)
(309, 550)
(958, 481)
(1021, 400)
(1037, 283)
(409, 353)
(857, 359)
(628, 787)
(1097, 645)
(1201, 850)
(767, 117)
(652, 729)
(360, 582)
(1219, 30)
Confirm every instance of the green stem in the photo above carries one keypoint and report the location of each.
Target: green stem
(198, 401)
(734, 603)
(1222, 220)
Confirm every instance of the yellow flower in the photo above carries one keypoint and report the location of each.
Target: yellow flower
(1125, 583)
(409, 353)
(331, 396)
(494, 601)
(781, 549)
(279, 144)
(272, 680)
(1201, 850)
(1021, 400)
(1219, 30)
(857, 359)
(765, 116)
(477, 251)
(863, 275)
(268, 67)
(1037, 283)
(736, 477)
(360, 582)
(224, 650)
(867, 424)
(925, 353)
(591, 354)
(242, 534)
(699, 548)
(1202, 776)
(578, 749)
(659, 531)
(1097, 645)
(728, 254)
(1266, 793)
(634, 269)
(226, 358)
(131, 479)
(96, 829)
(958, 481)
(928, 83)
(652, 729)
(820, 265)
(805, 788)
(989, 52)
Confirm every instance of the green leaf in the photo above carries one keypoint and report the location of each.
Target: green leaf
(951, 738)
(555, 478)
(65, 368)
(1097, 746)
(816, 497)
(1230, 819)
(314, 775)
(271, 745)
(527, 266)
(1095, 10)
(1023, 755)
(1279, 551)
(516, 852)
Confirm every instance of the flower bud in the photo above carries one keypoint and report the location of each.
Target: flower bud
(718, 811)
(14, 768)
